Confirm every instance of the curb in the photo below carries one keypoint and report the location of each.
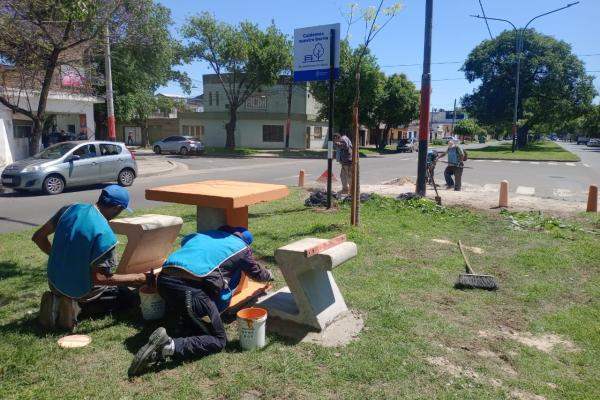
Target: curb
(520, 159)
(173, 166)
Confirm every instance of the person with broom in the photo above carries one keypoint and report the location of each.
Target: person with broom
(197, 281)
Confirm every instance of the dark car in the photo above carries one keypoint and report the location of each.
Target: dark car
(405, 145)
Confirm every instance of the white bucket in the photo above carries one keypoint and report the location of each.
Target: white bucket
(152, 305)
(252, 323)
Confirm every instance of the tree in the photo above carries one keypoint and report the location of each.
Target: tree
(399, 104)
(244, 58)
(553, 84)
(590, 123)
(371, 89)
(467, 127)
(143, 61)
(42, 37)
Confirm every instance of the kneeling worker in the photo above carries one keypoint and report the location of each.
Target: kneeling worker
(82, 257)
(196, 281)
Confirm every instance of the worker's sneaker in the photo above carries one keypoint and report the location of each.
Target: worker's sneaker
(68, 310)
(151, 352)
(48, 310)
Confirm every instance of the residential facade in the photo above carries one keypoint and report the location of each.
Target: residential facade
(261, 121)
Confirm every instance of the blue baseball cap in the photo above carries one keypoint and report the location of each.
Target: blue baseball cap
(240, 231)
(115, 195)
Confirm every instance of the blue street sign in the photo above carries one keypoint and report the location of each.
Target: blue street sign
(311, 53)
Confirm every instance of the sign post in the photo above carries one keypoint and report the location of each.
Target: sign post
(317, 58)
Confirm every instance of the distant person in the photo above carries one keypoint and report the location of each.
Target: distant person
(343, 146)
(45, 139)
(196, 281)
(456, 156)
(82, 258)
(130, 138)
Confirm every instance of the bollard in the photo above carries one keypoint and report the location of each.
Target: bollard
(592, 203)
(301, 178)
(503, 201)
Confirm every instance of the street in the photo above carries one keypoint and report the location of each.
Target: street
(568, 181)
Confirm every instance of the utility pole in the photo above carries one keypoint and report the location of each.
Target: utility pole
(453, 117)
(110, 108)
(425, 99)
(288, 122)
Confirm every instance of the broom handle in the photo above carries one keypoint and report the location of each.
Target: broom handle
(467, 264)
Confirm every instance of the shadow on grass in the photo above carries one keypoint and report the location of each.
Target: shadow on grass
(9, 269)
(278, 212)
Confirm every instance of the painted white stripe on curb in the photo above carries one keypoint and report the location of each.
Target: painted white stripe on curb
(496, 160)
(515, 162)
(526, 190)
(491, 187)
(534, 162)
(570, 164)
(586, 165)
(552, 163)
(562, 193)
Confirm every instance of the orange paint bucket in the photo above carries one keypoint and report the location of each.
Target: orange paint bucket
(252, 327)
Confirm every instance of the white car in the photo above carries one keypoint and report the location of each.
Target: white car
(179, 144)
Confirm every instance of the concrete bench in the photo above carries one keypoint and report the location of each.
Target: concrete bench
(150, 239)
(312, 299)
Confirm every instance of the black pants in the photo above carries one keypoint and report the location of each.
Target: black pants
(457, 172)
(188, 298)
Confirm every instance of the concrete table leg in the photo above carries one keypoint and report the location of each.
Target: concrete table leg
(208, 218)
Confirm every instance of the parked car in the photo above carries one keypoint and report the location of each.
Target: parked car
(406, 145)
(71, 164)
(593, 143)
(446, 139)
(582, 139)
(179, 144)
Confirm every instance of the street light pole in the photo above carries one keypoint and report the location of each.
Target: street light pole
(519, 33)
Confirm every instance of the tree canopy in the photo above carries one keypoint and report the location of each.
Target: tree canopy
(371, 89)
(553, 84)
(243, 57)
(467, 127)
(398, 105)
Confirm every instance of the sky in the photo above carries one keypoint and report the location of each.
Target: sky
(399, 46)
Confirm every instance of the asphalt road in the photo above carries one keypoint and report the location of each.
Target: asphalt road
(557, 180)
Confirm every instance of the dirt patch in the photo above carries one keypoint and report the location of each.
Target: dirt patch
(251, 395)
(545, 343)
(520, 395)
(480, 197)
(501, 360)
(476, 250)
(453, 370)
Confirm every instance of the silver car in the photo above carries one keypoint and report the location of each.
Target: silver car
(179, 144)
(71, 164)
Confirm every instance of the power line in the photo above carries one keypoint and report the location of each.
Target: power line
(486, 21)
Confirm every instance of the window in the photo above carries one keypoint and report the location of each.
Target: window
(210, 98)
(193, 130)
(86, 151)
(257, 103)
(22, 129)
(318, 132)
(110, 149)
(272, 133)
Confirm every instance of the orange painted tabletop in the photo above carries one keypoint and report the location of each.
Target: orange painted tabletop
(218, 193)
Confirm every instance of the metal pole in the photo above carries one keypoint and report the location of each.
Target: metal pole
(110, 109)
(519, 34)
(425, 99)
(288, 121)
(453, 117)
(330, 128)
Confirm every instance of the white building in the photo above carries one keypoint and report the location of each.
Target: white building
(73, 113)
(262, 119)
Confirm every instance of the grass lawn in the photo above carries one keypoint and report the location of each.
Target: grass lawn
(422, 338)
(221, 151)
(541, 151)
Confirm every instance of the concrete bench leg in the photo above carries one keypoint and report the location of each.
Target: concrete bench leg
(209, 218)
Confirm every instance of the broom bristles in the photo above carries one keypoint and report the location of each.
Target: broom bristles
(475, 281)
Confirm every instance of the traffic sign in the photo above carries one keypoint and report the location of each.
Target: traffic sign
(312, 52)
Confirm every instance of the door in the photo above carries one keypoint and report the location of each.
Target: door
(111, 161)
(85, 170)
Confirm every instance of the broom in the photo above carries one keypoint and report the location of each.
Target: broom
(470, 280)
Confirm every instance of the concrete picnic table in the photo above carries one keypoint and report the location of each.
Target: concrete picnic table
(219, 202)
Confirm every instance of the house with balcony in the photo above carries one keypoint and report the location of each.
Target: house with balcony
(70, 106)
(262, 119)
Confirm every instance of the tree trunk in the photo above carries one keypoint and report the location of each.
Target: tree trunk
(36, 135)
(522, 133)
(383, 140)
(230, 128)
(145, 134)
